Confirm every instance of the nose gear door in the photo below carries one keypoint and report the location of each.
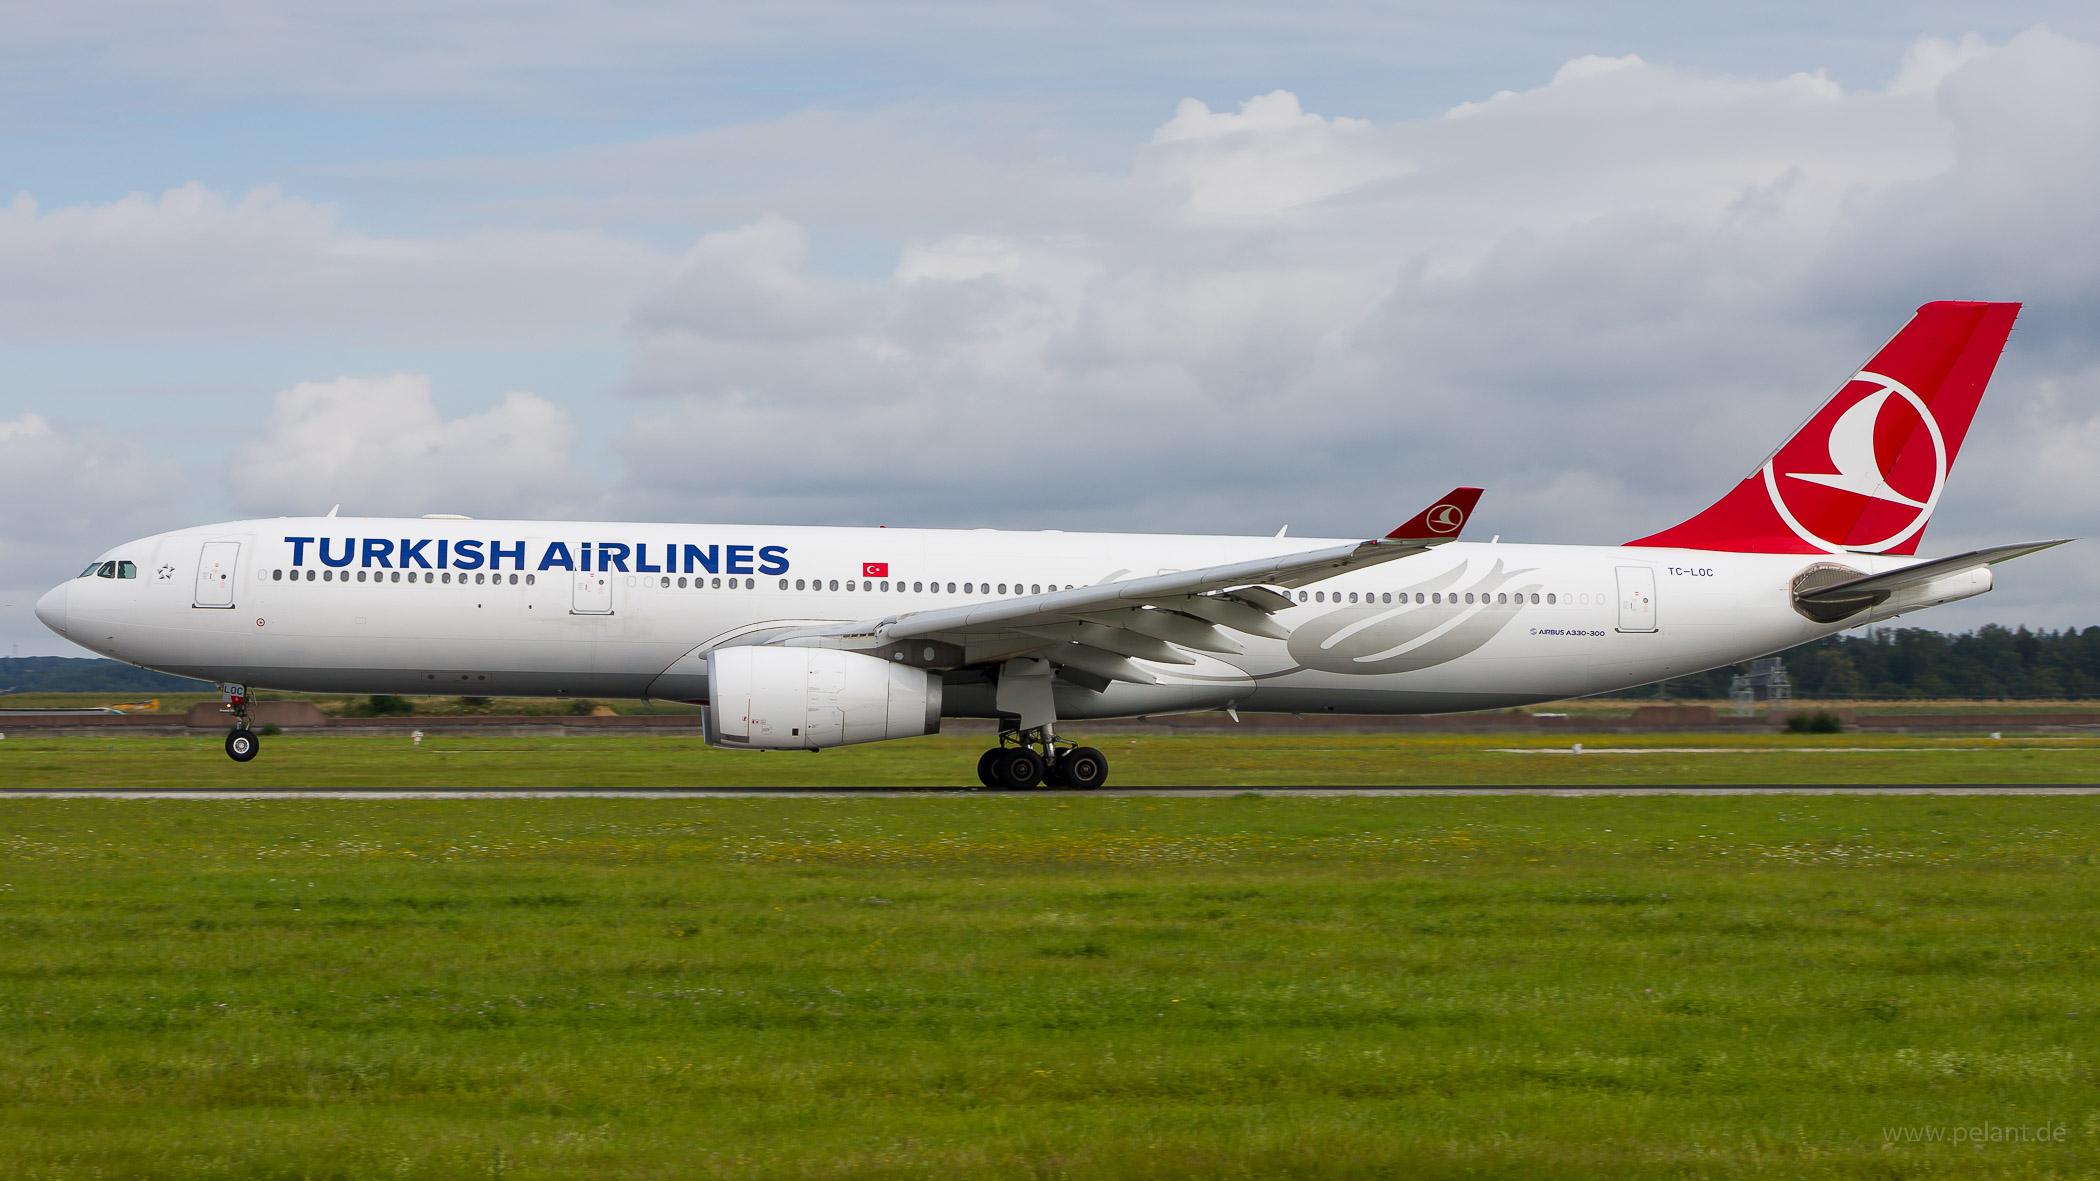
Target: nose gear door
(215, 574)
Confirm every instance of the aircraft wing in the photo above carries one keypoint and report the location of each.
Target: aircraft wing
(1098, 629)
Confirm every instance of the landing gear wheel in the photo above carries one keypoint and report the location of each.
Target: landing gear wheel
(985, 764)
(241, 745)
(1018, 769)
(1083, 767)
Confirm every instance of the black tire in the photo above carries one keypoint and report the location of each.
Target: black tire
(985, 762)
(242, 745)
(1018, 770)
(1084, 767)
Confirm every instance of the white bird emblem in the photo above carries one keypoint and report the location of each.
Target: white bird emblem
(1852, 454)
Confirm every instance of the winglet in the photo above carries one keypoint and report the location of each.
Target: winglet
(1440, 521)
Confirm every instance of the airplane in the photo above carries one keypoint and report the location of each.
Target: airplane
(803, 638)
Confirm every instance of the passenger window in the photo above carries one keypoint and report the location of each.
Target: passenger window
(798, 584)
(918, 587)
(1034, 589)
(1549, 598)
(531, 578)
(276, 576)
(1002, 588)
(1418, 596)
(1303, 597)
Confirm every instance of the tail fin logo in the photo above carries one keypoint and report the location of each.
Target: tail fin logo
(1446, 518)
(1882, 474)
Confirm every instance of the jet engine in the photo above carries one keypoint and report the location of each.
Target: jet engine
(767, 698)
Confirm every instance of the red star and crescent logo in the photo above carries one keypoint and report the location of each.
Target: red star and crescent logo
(874, 569)
(1863, 482)
(1445, 518)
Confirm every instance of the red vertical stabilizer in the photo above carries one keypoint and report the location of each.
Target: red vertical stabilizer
(1866, 471)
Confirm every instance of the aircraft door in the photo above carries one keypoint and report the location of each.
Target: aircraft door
(1636, 598)
(215, 574)
(593, 594)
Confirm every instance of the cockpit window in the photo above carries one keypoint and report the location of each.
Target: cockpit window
(90, 571)
(108, 570)
(127, 570)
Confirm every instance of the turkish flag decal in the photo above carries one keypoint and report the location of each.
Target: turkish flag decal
(874, 569)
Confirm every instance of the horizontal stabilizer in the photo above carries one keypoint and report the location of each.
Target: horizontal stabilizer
(1923, 572)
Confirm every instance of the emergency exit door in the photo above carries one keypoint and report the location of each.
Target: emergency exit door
(1636, 598)
(215, 574)
(593, 594)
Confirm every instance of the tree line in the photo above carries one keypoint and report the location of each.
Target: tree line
(1990, 662)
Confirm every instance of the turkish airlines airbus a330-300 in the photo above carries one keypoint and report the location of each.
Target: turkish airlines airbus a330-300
(803, 638)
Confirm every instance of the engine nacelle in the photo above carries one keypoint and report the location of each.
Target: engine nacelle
(766, 698)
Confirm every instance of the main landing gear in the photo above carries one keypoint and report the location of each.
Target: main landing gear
(1028, 752)
(241, 741)
(1014, 765)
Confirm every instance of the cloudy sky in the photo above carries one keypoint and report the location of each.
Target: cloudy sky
(1212, 267)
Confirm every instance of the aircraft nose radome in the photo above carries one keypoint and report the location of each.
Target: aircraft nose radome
(52, 608)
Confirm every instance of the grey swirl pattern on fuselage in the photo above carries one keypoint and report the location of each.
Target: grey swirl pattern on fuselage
(1378, 639)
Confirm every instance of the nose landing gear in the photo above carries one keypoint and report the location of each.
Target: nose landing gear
(241, 742)
(241, 745)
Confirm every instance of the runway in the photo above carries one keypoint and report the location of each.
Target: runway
(624, 793)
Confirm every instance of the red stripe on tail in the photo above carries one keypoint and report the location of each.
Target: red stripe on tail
(1868, 468)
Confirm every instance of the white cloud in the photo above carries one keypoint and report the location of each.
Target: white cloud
(1270, 158)
(380, 447)
(196, 263)
(1605, 297)
(73, 490)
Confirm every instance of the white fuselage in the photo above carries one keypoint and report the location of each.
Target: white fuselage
(412, 606)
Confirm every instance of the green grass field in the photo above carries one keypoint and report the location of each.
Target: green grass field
(1135, 759)
(1046, 986)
